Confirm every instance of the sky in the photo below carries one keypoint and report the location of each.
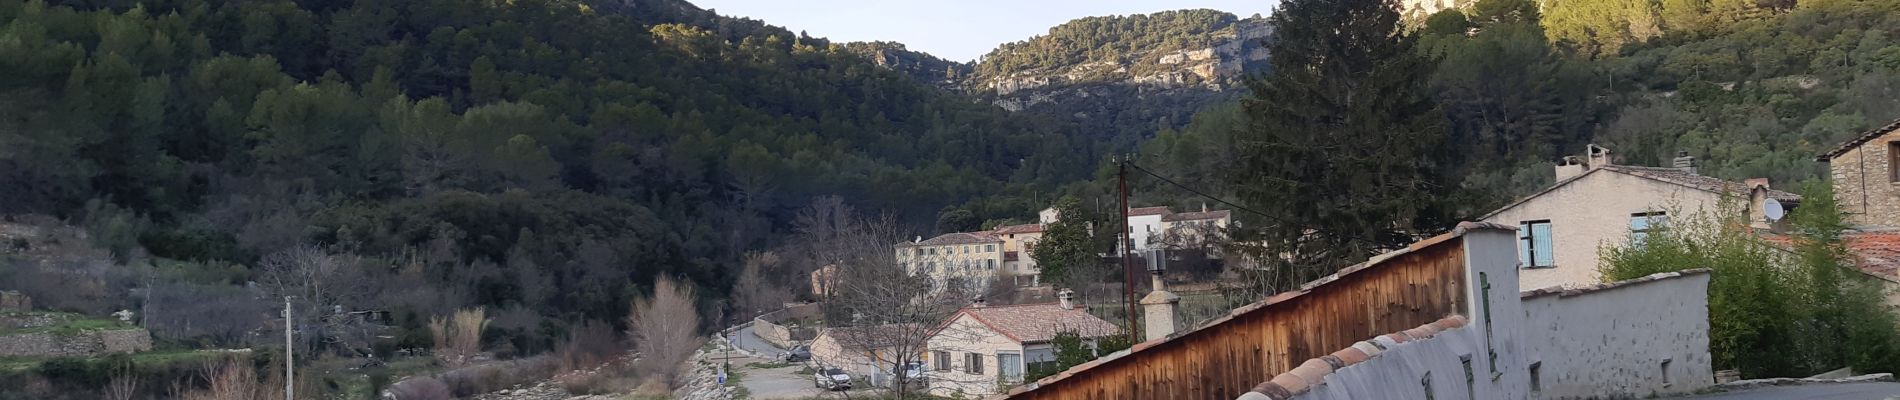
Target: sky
(958, 30)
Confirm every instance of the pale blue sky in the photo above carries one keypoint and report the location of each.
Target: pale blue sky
(955, 30)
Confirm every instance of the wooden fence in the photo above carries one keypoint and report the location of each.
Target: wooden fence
(1228, 356)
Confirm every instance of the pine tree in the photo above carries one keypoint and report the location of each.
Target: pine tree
(1343, 142)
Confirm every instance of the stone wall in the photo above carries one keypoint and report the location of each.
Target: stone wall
(81, 344)
(11, 300)
(777, 328)
(1862, 184)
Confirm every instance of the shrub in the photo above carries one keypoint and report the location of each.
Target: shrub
(458, 338)
(662, 327)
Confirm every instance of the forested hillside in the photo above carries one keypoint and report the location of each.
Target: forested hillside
(544, 157)
(1758, 97)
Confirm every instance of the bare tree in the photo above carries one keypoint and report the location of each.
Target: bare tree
(324, 289)
(664, 328)
(753, 294)
(458, 338)
(892, 310)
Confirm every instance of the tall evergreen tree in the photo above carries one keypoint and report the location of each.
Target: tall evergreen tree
(1344, 142)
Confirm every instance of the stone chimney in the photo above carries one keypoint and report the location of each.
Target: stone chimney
(1158, 310)
(977, 303)
(1068, 299)
(1596, 156)
(1685, 162)
(1570, 167)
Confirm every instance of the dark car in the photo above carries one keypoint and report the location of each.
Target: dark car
(796, 354)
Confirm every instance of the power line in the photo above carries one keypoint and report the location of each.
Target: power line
(1276, 218)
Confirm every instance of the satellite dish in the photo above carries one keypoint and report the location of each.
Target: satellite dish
(1772, 209)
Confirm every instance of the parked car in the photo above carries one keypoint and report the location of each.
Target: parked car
(831, 378)
(914, 375)
(796, 354)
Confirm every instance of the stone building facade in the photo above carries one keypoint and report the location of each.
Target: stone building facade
(1866, 177)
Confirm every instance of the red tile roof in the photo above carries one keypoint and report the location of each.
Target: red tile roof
(1198, 215)
(956, 238)
(1875, 253)
(1035, 323)
(1015, 229)
(1136, 212)
(1313, 372)
(1871, 134)
(1692, 180)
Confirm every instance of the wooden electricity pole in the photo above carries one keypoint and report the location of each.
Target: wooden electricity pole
(1122, 245)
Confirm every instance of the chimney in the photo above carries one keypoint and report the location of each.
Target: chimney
(1756, 183)
(1685, 162)
(1570, 167)
(1597, 156)
(977, 303)
(1068, 299)
(1158, 308)
(1203, 206)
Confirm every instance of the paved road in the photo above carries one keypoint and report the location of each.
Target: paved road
(1822, 391)
(745, 339)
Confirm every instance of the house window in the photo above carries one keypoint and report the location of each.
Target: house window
(989, 248)
(1010, 366)
(1644, 223)
(1534, 244)
(1893, 162)
(973, 363)
(989, 264)
(933, 251)
(942, 358)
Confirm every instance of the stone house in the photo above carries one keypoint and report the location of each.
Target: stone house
(864, 351)
(968, 258)
(1866, 180)
(982, 349)
(1866, 177)
(1597, 203)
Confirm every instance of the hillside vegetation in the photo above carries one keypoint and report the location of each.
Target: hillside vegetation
(543, 158)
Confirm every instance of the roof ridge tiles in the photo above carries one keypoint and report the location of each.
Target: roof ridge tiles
(1313, 372)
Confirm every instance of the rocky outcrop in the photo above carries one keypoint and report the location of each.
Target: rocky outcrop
(1232, 53)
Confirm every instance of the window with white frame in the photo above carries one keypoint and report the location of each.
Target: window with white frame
(942, 359)
(1534, 244)
(973, 363)
(1009, 366)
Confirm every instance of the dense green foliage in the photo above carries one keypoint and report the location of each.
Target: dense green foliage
(1759, 97)
(1343, 139)
(543, 158)
(1068, 255)
(1773, 311)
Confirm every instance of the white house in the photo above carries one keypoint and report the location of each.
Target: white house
(981, 346)
(866, 350)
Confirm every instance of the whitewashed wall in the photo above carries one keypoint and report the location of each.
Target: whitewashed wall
(1614, 339)
(1606, 341)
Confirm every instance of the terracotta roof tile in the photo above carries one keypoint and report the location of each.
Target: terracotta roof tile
(1198, 215)
(1035, 323)
(1016, 229)
(957, 238)
(1141, 211)
(1697, 181)
(1313, 372)
(1871, 134)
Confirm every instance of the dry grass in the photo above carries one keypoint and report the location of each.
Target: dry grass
(234, 379)
(458, 338)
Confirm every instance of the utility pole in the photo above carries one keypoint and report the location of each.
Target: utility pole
(1123, 243)
(290, 350)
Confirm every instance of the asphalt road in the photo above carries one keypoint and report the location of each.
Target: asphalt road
(1822, 391)
(745, 339)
